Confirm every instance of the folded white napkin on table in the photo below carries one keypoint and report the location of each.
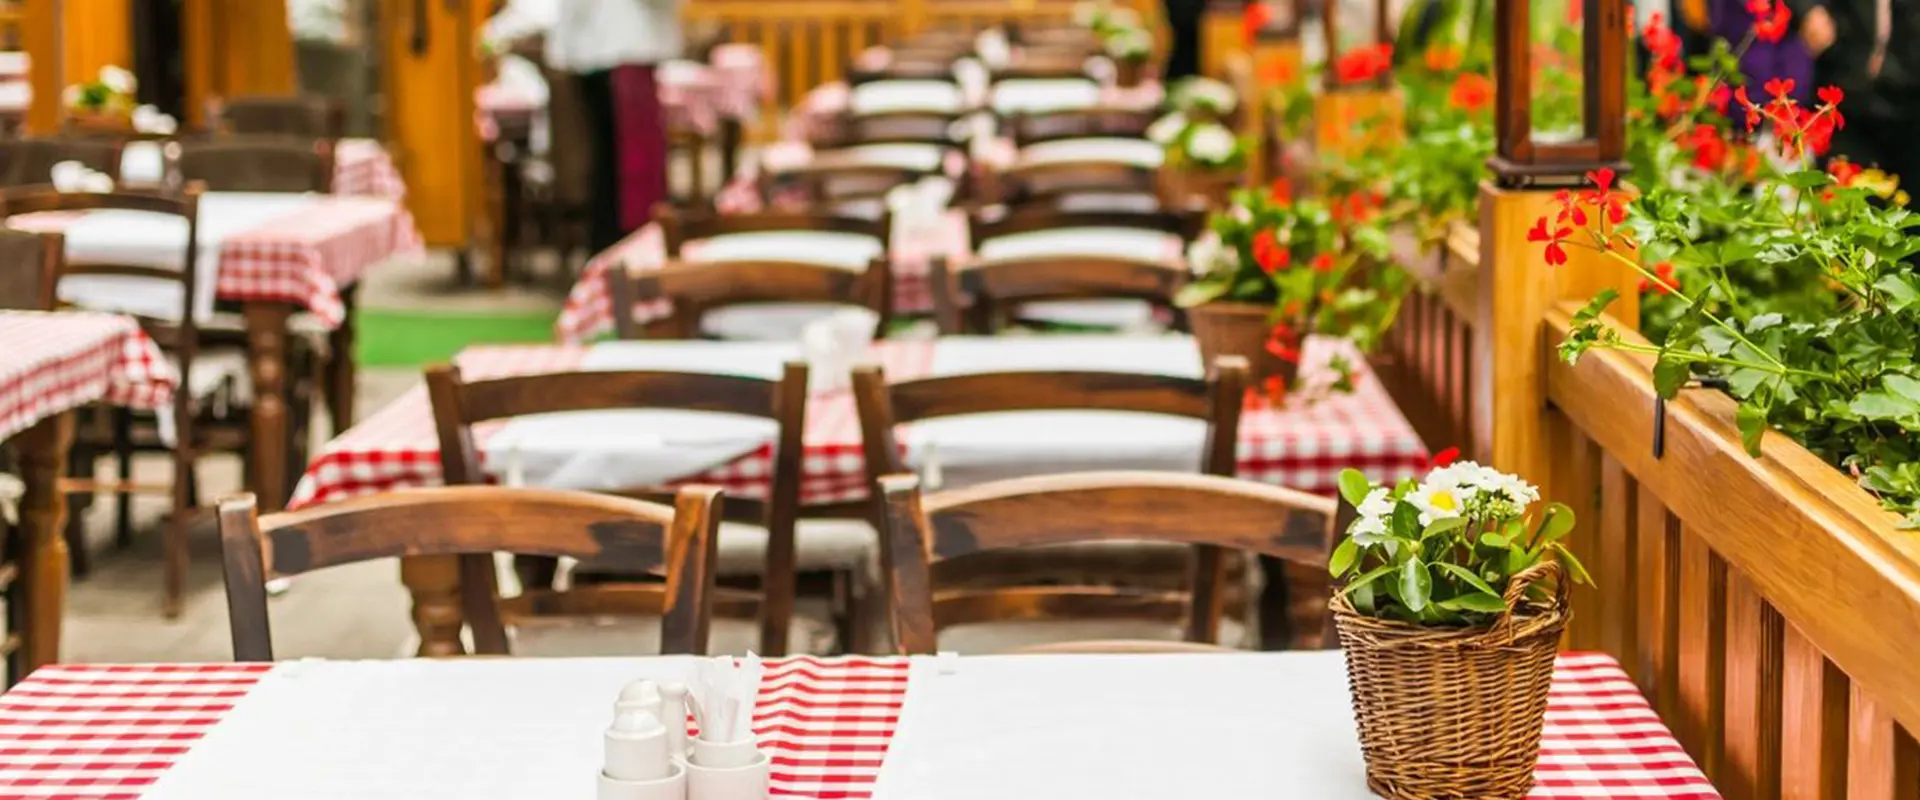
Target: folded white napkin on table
(74, 177)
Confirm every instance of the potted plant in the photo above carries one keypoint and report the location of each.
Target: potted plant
(1204, 160)
(104, 103)
(1272, 270)
(1204, 98)
(1450, 616)
(1129, 47)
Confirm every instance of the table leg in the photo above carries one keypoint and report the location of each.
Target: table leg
(730, 140)
(43, 571)
(267, 361)
(341, 372)
(434, 582)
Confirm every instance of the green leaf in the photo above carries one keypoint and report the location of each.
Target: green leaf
(1343, 557)
(1354, 486)
(1519, 558)
(1200, 293)
(1902, 290)
(1881, 405)
(1903, 386)
(1443, 525)
(1575, 568)
(1368, 578)
(1493, 540)
(1752, 420)
(1807, 179)
(1595, 307)
(1669, 376)
(1467, 575)
(1556, 523)
(1414, 584)
(1362, 598)
(1482, 603)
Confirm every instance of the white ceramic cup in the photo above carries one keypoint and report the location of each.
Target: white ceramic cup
(748, 781)
(671, 787)
(724, 755)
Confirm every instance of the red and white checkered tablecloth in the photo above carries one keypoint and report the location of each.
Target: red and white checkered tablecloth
(1302, 445)
(55, 361)
(111, 732)
(301, 258)
(589, 308)
(364, 167)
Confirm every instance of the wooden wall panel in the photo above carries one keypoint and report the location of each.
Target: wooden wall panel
(235, 48)
(431, 72)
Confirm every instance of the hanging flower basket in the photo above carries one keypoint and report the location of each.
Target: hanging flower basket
(1455, 713)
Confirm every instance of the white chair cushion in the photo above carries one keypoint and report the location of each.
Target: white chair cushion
(1122, 315)
(1136, 152)
(765, 322)
(1000, 637)
(819, 544)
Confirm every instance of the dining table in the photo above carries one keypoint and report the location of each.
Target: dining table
(52, 362)
(273, 254)
(927, 727)
(360, 167)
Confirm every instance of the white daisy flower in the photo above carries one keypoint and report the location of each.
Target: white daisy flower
(1211, 144)
(1207, 255)
(1377, 504)
(1437, 502)
(1209, 93)
(1368, 531)
(1166, 129)
(1129, 43)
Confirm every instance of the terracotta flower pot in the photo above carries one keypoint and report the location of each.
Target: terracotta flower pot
(1454, 713)
(1240, 329)
(1129, 73)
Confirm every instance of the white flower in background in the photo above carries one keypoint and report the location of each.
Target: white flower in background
(118, 80)
(1211, 144)
(70, 97)
(1209, 94)
(1486, 493)
(325, 21)
(1369, 531)
(1207, 255)
(1166, 129)
(148, 119)
(1437, 502)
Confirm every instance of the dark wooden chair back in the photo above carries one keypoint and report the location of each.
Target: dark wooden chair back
(696, 288)
(1202, 510)
(472, 523)
(1185, 224)
(30, 266)
(927, 63)
(680, 227)
(841, 184)
(1125, 123)
(1051, 185)
(889, 127)
(1217, 400)
(29, 161)
(459, 404)
(259, 164)
(304, 116)
(979, 296)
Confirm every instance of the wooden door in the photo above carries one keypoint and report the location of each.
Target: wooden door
(233, 48)
(429, 71)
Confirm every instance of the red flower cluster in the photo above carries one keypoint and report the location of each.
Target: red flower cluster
(1667, 65)
(1770, 18)
(1284, 343)
(1472, 92)
(1556, 252)
(1281, 191)
(1363, 64)
(1800, 130)
(1269, 253)
(1666, 283)
(1322, 263)
(1843, 171)
(1355, 207)
(1710, 147)
(1255, 18)
(1441, 58)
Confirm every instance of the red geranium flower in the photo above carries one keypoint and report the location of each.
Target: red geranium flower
(1569, 209)
(1363, 64)
(1829, 95)
(1556, 253)
(1269, 253)
(1256, 17)
(1666, 283)
(1708, 146)
(1753, 111)
(1284, 344)
(1444, 458)
(1441, 58)
(1779, 88)
(1322, 263)
(1281, 191)
(1603, 197)
(1770, 19)
(1471, 92)
(1717, 98)
(1843, 171)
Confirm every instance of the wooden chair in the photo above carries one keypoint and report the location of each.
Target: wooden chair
(206, 414)
(850, 182)
(304, 116)
(698, 288)
(985, 296)
(1216, 399)
(30, 265)
(680, 227)
(934, 128)
(1201, 510)
(29, 162)
(1080, 123)
(259, 164)
(458, 405)
(471, 523)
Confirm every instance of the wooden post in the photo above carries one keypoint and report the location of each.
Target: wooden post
(40, 37)
(235, 48)
(68, 41)
(1510, 416)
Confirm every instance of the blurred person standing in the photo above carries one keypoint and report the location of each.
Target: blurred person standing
(1865, 47)
(1183, 24)
(611, 48)
(1776, 53)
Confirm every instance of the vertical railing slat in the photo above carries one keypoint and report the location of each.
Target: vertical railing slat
(1615, 559)
(1882, 761)
(1813, 723)
(1702, 650)
(1752, 705)
(1656, 542)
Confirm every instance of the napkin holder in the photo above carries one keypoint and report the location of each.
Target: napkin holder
(735, 770)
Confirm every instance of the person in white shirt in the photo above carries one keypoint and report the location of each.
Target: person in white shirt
(612, 47)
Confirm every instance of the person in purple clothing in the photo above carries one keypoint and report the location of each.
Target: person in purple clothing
(1764, 60)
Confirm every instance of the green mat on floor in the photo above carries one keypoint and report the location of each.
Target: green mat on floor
(413, 338)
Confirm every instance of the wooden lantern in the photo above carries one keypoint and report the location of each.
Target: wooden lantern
(1382, 34)
(1519, 158)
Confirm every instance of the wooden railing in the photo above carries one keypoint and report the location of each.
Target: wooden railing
(1764, 606)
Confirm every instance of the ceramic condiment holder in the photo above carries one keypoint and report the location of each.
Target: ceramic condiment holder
(727, 771)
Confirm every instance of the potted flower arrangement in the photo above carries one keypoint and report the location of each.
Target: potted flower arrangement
(1204, 160)
(104, 103)
(1450, 616)
(1130, 47)
(1272, 270)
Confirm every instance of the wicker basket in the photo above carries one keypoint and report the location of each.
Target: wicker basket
(1454, 713)
(1239, 329)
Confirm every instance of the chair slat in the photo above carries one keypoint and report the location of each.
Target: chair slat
(1754, 633)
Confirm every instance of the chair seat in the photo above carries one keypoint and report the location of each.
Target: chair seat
(215, 370)
(812, 634)
(765, 322)
(1119, 315)
(819, 545)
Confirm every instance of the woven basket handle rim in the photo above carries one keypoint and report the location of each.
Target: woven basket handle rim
(1517, 586)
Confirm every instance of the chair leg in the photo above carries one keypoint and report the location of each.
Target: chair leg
(80, 462)
(173, 543)
(123, 469)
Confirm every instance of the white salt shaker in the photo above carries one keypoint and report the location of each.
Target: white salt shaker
(637, 765)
